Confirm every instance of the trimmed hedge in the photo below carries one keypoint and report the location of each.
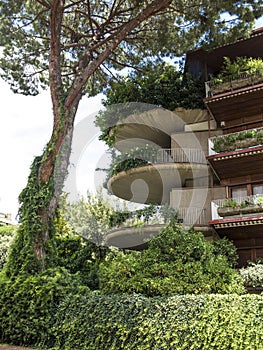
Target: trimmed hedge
(135, 322)
(51, 311)
(28, 305)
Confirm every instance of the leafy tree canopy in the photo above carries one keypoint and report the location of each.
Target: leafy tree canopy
(85, 30)
(160, 85)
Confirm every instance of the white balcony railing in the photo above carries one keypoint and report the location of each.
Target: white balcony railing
(192, 216)
(181, 155)
(237, 206)
(185, 216)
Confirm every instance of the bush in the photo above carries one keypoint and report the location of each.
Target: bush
(225, 247)
(211, 322)
(177, 262)
(28, 305)
(6, 238)
(252, 275)
(78, 256)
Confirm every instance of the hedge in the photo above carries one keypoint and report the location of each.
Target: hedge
(53, 311)
(28, 305)
(205, 322)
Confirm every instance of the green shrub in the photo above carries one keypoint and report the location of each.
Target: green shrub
(6, 238)
(177, 261)
(225, 247)
(78, 256)
(203, 322)
(252, 275)
(28, 305)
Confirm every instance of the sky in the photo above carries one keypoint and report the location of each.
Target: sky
(26, 125)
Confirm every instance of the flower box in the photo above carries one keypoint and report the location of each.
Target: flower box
(239, 210)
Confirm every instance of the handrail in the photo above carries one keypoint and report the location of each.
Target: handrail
(234, 133)
(232, 83)
(256, 199)
(181, 155)
(184, 215)
(192, 216)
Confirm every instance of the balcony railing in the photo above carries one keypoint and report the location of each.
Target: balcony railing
(140, 157)
(239, 206)
(192, 216)
(185, 216)
(234, 141)
(181, 155)
(244, 79)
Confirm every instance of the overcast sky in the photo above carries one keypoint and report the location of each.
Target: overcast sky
(26, 124)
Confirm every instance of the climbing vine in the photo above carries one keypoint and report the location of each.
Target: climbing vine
(30, 234)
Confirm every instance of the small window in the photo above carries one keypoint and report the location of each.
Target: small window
(257, 189)
(238, 191)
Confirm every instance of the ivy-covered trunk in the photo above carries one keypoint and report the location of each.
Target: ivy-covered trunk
(33, 249)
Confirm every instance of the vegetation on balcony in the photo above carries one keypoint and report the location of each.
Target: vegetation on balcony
(149, 215)
(241, 72)
(135, 158)
(248, 205)
(239, 140)
(159, 85)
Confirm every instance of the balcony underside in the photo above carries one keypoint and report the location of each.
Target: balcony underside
(155, 126)
(151, 184)
(239, 228)
(237, 104)
(238, 163)
(136, 238)
(135, 135)
(132, 237)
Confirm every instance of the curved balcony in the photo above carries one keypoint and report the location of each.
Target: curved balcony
(155, 125)
(136, 232)
(152, 182)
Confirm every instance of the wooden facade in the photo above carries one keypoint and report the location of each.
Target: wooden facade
(237, 109)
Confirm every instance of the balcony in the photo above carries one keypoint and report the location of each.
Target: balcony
(237, 154)
(136, 231)
(238, 218)
(243, 80)
(235, 141)
(235, 98)
(156, 174)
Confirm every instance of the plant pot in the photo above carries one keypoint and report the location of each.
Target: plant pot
(231, 211)
(249, 142)
(228, 211)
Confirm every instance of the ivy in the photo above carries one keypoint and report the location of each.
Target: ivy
(203, 322)
(35, 196)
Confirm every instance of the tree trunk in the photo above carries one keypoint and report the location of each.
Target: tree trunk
(33, 249)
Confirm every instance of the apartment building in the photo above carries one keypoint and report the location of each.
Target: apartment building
(207, 164)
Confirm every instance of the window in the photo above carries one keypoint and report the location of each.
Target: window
(238, 191)
(257, 189)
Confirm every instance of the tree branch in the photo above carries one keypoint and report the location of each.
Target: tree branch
(55, 51)
(90, 67)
